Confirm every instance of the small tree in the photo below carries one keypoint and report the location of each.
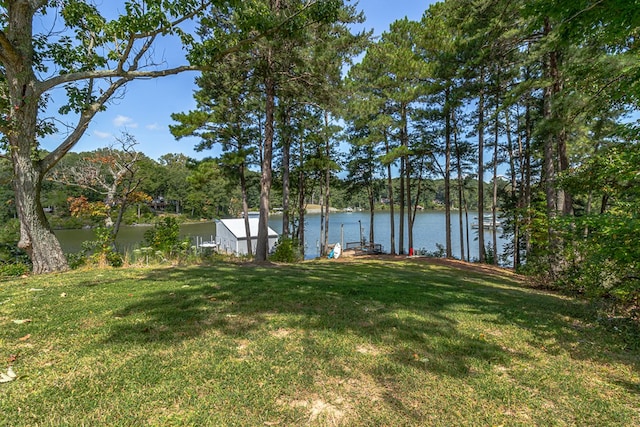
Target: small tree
(164, 236)
(113, 174)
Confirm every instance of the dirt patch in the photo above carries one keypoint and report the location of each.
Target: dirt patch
(367, 349)
(326, 412)
(474, 267)
(281, 333)
(452, 263)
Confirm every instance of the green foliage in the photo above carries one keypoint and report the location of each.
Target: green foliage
(439, 252)
(131, 217)
(603, 257)
(100, 251)
(10, 254)
(286, 250)
(14, 269)
(113, 258)
(164, 236)
(77, 260)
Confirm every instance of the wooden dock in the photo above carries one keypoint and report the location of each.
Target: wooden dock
(365, 249)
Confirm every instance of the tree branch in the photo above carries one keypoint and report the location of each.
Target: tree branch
(124, 77)
(85, 118)
(135, 73)
(53, 82)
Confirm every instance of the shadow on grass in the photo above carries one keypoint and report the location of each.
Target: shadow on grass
(412, 306)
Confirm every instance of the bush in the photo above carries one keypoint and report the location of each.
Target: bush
(14, 270)
(439, 252)
(100, 251)
(286, 250)
(164, 236)
(13, 260)
(77, 260)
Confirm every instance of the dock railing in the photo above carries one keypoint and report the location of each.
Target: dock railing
(365, 249)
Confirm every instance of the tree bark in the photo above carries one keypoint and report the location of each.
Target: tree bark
(481, 168)
(392, 220)
(447, 176)
(286, 178)
(245, 209)
(460, 186)
(262, 244)
(36, 236)
(372, 211)
(549, 168)
(494, 199)
(514, 188)
(401, 208)
(327, 184)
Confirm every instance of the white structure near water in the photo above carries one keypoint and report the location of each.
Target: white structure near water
(231, 236)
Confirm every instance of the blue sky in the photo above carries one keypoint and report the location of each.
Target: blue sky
(145, 108)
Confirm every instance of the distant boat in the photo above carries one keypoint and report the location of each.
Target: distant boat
(487, 222)
(349, 209)
(252, 214)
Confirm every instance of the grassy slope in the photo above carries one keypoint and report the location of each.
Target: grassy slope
(322, 343)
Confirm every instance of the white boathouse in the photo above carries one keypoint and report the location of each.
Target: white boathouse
(231, 236)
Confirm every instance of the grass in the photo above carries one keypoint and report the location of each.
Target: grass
(374, 343)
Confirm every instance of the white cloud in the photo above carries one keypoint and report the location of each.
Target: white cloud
(102, 135)
(121, 120)
(154, 126)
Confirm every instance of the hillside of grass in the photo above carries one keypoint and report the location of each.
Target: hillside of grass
(361, 342)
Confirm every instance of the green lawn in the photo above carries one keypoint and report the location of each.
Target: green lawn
(363, 343)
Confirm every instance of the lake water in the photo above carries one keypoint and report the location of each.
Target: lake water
(429, 230)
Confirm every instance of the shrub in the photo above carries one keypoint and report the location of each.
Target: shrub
(164, 236)
(77, 260)
(286, 250)
(14, 269)
(100, 251)
(439, 252)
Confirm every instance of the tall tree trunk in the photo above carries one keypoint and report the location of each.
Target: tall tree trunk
(36, 236)
(392, 219)
(494, 199)
(401, 208)
(447, 175)
(466, 216)
(404, 140)
(321, 236)
(566, 200)
(460, 185)
(262, 244)
(286, 164)
(526, 176)
(372, 211)
(245, 209)
(549, 169)
(301, 200)
(481, 168)
(514, 188)
(327, 177)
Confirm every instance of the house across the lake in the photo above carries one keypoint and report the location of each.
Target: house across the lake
(231, 236)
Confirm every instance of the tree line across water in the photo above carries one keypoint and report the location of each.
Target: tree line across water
(541, 92)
